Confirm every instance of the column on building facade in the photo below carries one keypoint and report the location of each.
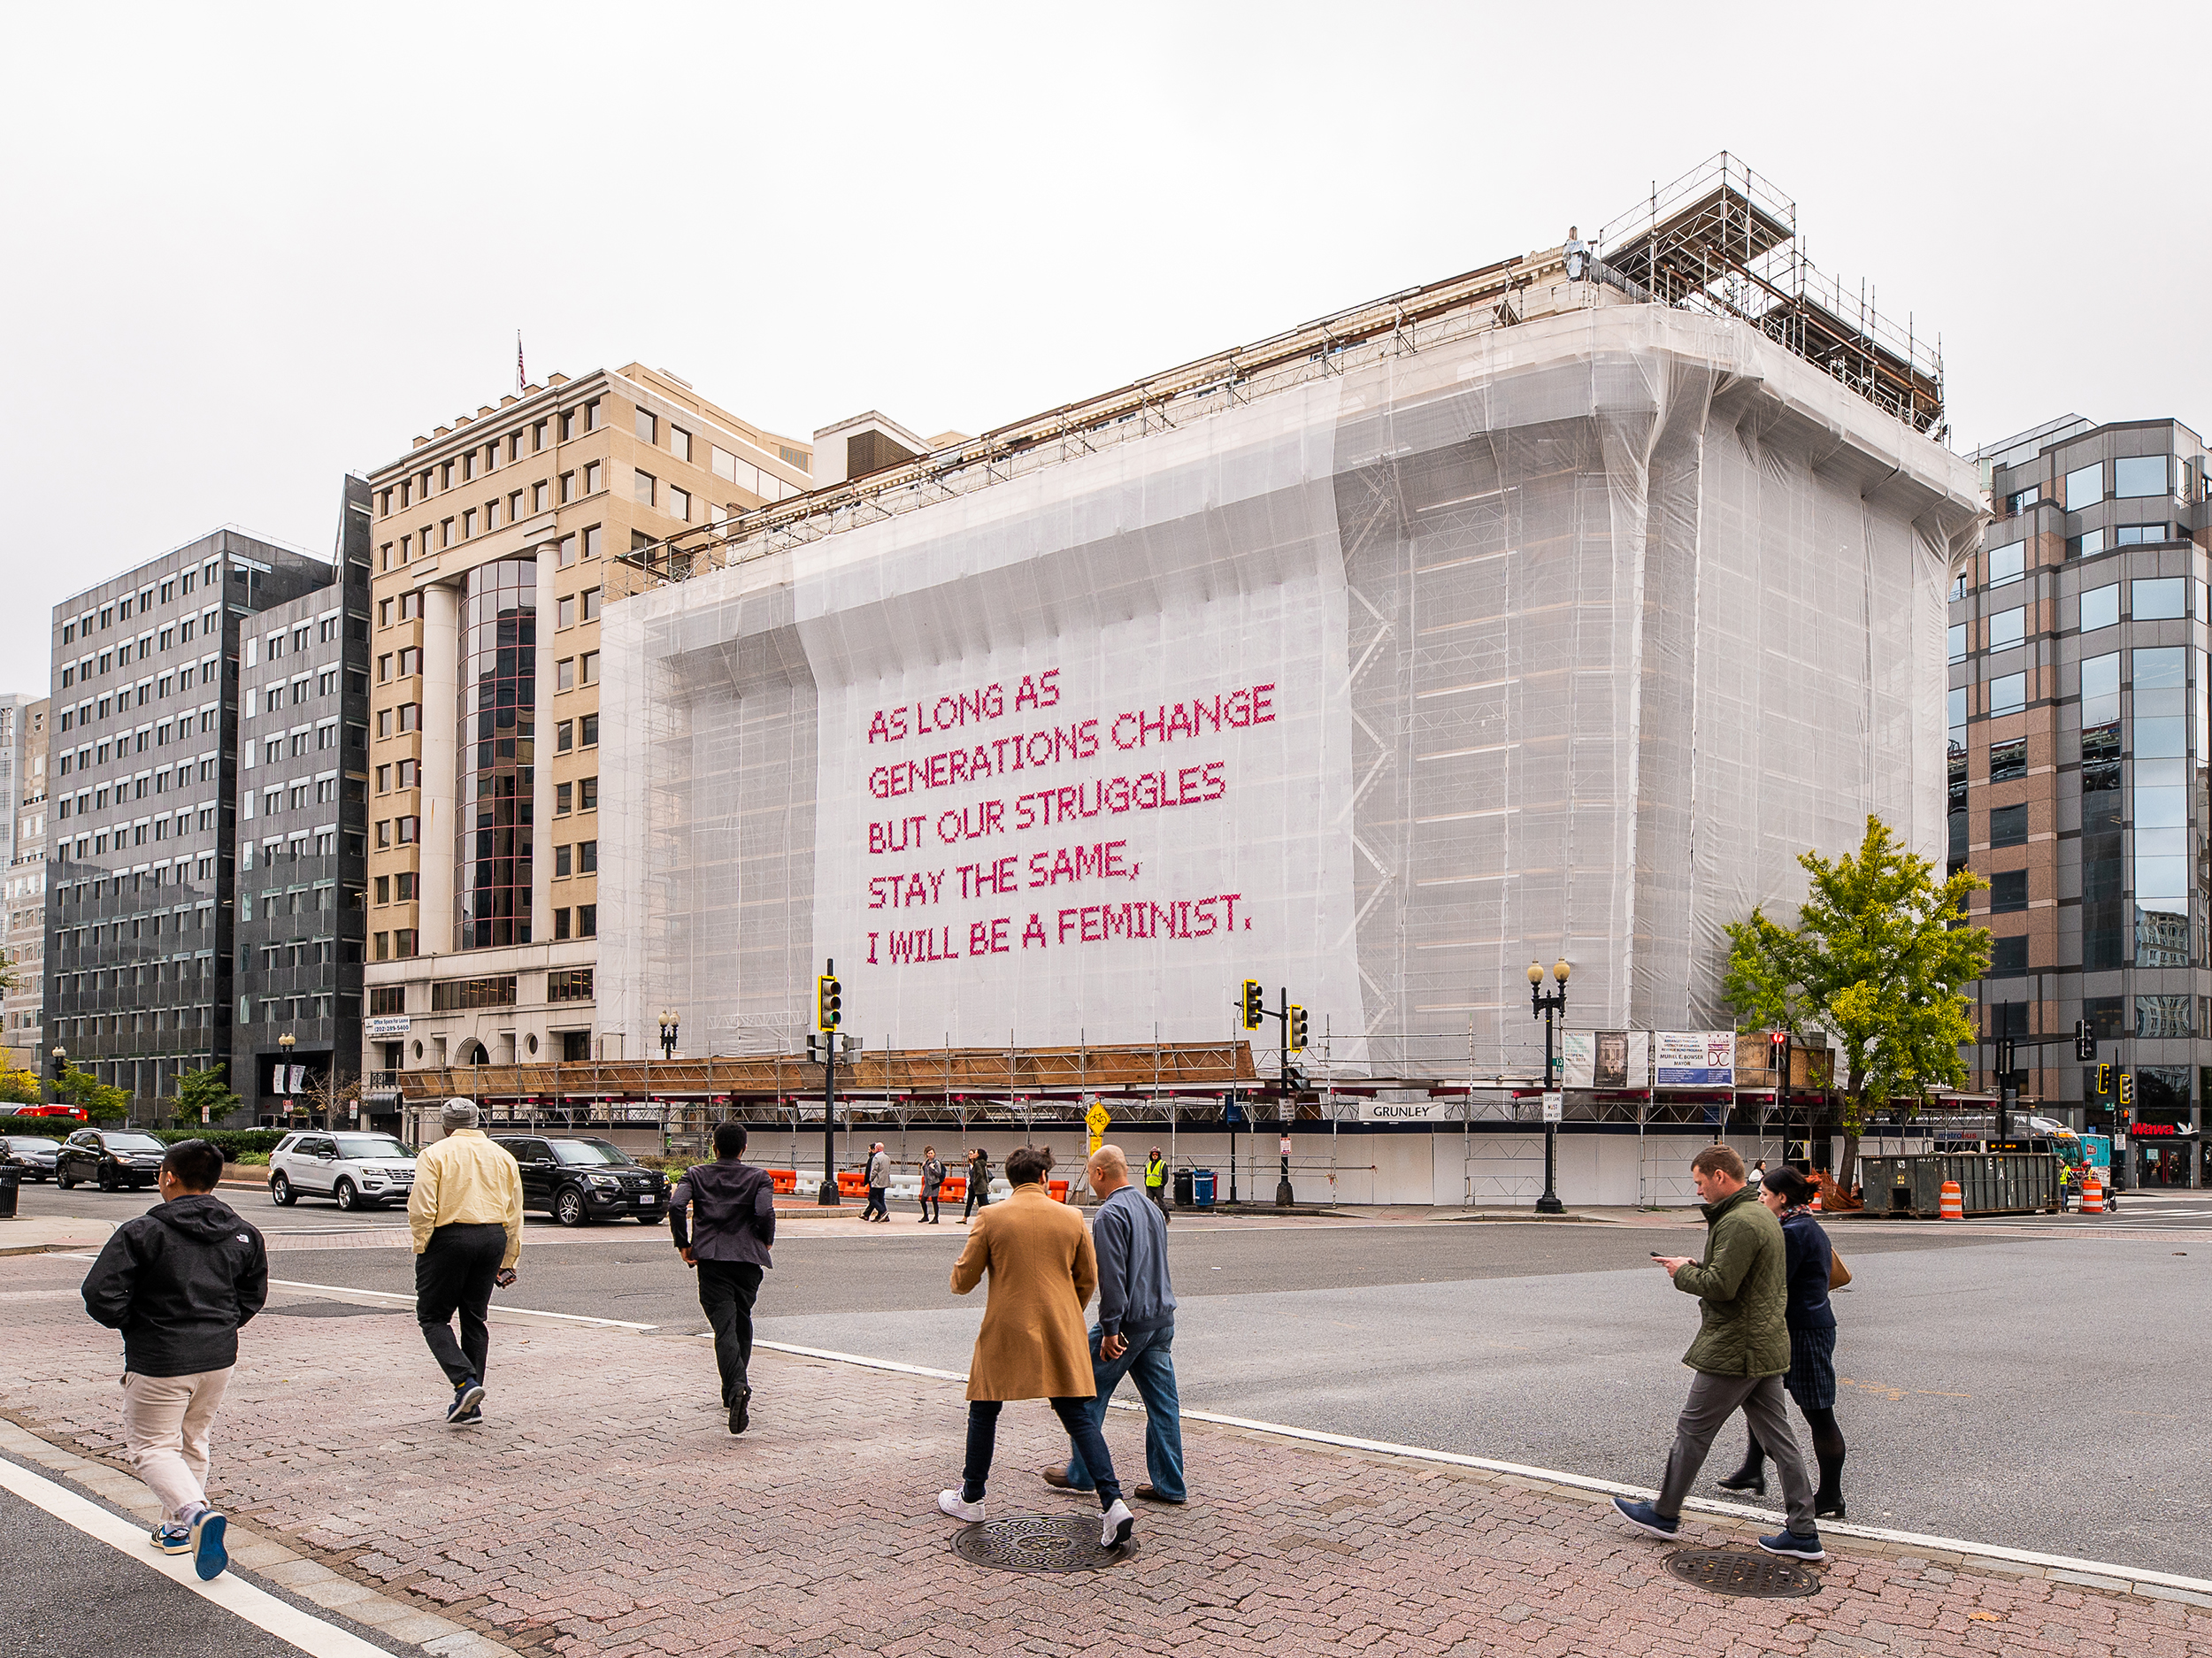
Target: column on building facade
(541, 786)
(435, 844)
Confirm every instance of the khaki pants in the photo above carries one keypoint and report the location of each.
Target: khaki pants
(166, 1423)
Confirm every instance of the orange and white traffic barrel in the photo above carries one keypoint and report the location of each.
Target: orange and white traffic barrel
(1815, 1197)
(1954, 1204)
(2093, 1196)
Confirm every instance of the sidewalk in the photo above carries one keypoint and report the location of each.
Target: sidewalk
(603, 1509)
(46, 1234)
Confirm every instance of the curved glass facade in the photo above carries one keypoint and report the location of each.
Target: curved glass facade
(498, 717)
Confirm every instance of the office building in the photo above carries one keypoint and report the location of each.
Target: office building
(23, 765)
(2078, 739)
(142, 768)
(497, 541)
(302, 806)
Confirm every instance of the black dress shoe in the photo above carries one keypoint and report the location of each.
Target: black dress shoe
(1746, 1479)
(1828, 1509)
(740, 1419)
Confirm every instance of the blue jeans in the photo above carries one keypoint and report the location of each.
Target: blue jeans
(1150, 1362)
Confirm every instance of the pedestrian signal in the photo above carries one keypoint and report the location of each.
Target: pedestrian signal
(1297, 1029)
(1255, 1004)
(2104, 1078)
(828, 997)
(2085, 1041)
(813, 1048)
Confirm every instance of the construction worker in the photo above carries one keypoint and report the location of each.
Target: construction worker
(2065, 1172)
(1156, 1180)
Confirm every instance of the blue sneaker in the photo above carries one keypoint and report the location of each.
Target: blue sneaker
(209, 1558)
(1796, 1545)
(466, 1398)
(1644, 1517)
(173, 1539)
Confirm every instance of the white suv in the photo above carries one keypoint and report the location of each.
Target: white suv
(354, 1171)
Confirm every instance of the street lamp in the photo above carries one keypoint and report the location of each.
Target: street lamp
(61, 1061)
(285, 1044)
(1548, 1008)
(668, 1032)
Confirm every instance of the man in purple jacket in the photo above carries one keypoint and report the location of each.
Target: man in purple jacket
(737, 1226)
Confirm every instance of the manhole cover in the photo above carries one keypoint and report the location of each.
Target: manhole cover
(1037, 1542)
(1740, 1572)
(327, 1310)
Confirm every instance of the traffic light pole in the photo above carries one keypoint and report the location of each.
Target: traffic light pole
(1547, 1007)
(2008, 1091)
(1283, 1198)
(827, 1197)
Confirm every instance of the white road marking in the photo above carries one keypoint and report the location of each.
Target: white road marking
(262, 1609)
(1949, 1544)
(369, 1297)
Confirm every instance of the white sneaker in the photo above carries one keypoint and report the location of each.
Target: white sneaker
(951, 1502)
(1115, 1526)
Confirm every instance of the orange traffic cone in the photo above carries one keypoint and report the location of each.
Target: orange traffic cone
(1816, 1199)
(2093, 1196)
(1954, 1204)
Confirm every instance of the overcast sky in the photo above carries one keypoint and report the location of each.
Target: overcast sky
(250, 248)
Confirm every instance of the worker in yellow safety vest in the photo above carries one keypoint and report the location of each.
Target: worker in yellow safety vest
(1155, 1179)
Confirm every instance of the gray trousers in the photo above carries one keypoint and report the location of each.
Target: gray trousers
(1713, 1400)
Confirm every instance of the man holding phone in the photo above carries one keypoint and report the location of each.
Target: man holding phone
(465, 1213)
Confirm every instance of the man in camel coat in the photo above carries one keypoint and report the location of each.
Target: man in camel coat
(1033, 1344)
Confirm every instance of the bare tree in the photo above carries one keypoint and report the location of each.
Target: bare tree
(329, 1093)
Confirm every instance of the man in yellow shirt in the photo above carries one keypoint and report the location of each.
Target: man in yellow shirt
(465, 1212)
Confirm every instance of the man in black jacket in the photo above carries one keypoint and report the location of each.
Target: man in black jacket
(737, 1227)
(178, 1282)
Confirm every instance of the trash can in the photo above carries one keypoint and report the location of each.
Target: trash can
(1202, 1184)
(1182, 1189)
(11, 1176)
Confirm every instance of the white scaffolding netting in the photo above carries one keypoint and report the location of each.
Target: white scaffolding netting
(1562, 639)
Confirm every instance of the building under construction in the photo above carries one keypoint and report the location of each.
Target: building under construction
(1548, 611)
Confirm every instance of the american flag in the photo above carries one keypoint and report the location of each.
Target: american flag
(519, 377)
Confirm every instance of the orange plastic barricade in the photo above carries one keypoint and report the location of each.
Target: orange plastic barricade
(784, 1180)
(2093, 1196)
(955, 1189)
(1953, 1206)
(1059, 1189)
(852, 1183)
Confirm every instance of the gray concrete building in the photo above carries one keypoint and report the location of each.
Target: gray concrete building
(23, 841)
(2078, 744)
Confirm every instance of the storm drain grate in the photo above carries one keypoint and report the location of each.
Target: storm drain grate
(1740, 1572)
(1037, 1542)
(328, 1309)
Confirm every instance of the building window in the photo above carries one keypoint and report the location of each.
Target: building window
(461, 995)
(588, 857)
(403, 942)
(641, 487)
(560, 923)
(2163, 1015)
(568, 983)
(588, 666)
(540, 497)
(2009, 761)
(678, 504)
(2139, 534)
(2008, 891)
(565, 611)
(2161, 599)
(562, 868)
(587, 921)
(647, 427)
(2084, 488)
(2008, 957)
(591, 479)
(587, 731)
(564, 736)
(2007, 564)
(2008, 694)
(2006, 628)
(492, 849)
(588, 795)
(568, 487)
(2008, 826)
(2100, 607)
(2134, 476)
(564, 674)
(592, 539)
(563, 797)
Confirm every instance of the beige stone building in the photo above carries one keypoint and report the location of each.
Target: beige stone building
(498, 542)
(23, 745)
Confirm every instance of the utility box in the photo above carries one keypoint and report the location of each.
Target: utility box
(1183, 1186)
(1989, 1183)
(11, 1176)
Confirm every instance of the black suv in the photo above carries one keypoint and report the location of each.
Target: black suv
(113, 1158)
(582, 1180)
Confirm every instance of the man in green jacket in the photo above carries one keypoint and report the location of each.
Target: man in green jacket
(1741, 1354)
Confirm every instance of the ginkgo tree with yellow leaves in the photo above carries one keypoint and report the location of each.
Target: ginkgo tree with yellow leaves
(1877, 961)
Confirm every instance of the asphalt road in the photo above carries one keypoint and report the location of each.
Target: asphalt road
(2029, 1384)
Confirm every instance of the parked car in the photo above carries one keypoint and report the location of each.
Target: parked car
(35, 1154)
(112, 1158)
(587, 1180)
(353, 1170)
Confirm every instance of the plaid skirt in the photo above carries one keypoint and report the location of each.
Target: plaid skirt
(1811, 1380)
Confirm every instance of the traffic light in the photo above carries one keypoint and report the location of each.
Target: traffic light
(1297, 1029)
(2127, 1091)
(828, 996)
(813, 1048)
(2104, 1079)
(1255, 1004)
(2085, 1041)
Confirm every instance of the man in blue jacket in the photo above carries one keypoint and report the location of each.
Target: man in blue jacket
(178, 1282)
(1135, 1333)
(736, 1203)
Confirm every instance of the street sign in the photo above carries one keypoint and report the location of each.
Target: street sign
(1286, 1151)
(1555, 1108)
(1095, 1119)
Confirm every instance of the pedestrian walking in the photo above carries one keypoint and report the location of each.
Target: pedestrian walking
(1135, 1333)
(1811, 1378)
(736, 1204)
(978, 1183)
(879, 1183)
(1757, 1176)
(1741, 1352)
(178, 1281)
(1043, 1270)
(1156, 1182)
(932, 1182)
(465, 1213)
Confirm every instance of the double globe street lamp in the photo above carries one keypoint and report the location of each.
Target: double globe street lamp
(1550, 1008)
